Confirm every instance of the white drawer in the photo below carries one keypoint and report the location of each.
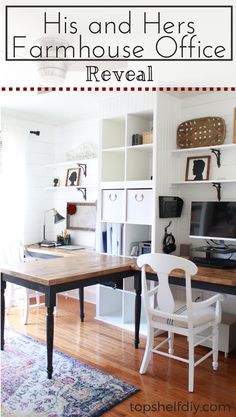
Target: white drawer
(139, 206)
(113, 205)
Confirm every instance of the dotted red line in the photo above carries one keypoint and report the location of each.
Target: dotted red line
(104, 89)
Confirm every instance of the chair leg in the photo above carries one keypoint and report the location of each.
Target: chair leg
(191, 364)
(171, 343)
(37, 298)
(26, 307)
(215, 342)
(147, 353)
(9, 297)
(56, 307)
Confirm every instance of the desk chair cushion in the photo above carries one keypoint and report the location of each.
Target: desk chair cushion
(203, 316)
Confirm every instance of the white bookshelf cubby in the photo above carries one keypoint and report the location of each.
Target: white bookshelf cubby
(113, 133)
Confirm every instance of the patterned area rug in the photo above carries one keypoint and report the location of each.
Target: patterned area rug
(76, 389)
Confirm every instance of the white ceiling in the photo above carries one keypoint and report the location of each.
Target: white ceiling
(58, 108)
(54, 108)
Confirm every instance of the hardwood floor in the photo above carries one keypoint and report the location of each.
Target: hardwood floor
(163, 390)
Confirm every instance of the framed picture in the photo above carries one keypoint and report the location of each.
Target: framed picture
(197, 168)
(81, 216)
(72, 177)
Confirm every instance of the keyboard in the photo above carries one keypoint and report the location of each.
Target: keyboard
(215, 262)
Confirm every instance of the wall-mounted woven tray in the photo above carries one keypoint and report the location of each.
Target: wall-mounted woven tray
(205, 131)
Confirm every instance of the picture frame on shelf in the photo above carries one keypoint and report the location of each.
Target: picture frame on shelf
(72, 177)
(83, 217)
(197, 168)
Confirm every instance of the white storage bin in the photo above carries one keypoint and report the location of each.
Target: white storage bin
(113, 205)
(139, 206)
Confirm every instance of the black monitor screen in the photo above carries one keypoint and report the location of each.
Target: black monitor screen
(213, 220)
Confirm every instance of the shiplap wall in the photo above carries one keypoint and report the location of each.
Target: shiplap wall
(214, 104)
(172, 110)
(68, 138)
(167, 118)
(119, 104)
(35, 152)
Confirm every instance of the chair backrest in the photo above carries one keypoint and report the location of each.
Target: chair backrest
(12, 252)
(163, 264)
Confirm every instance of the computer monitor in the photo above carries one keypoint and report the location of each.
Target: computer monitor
(214, 220)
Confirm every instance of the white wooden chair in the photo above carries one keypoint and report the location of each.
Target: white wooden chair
(189, 321)
(13, 253)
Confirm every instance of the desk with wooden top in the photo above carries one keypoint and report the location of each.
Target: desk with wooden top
(57, 275)
(72, 271)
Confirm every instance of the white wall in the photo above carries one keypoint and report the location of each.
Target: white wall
(26, 159)
(69, 137)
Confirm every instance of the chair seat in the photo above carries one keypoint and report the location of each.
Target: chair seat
(205, 315)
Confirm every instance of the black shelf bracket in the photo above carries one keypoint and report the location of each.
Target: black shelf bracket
(83, 167)
(84, 192)
(217, 154)
(217, 185)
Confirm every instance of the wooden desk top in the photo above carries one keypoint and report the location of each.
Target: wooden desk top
(211, 276)
(84, 264)
(208, 275)
(69, 268)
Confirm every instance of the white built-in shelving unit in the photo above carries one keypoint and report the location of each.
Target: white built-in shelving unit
(127, 200)
(133, 177)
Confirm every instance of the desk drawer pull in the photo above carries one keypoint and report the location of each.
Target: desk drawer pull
(112, 198)
(139, 199)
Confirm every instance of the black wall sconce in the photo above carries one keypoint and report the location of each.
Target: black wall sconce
(35, 132)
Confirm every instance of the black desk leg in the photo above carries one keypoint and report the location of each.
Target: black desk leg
(50, 334)
(3, 287)
(50, 301)
(137, 285)
(81, 301)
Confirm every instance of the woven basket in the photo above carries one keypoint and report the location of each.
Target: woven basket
(205, 131)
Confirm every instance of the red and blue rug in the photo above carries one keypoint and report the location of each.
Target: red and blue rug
(76, 390)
